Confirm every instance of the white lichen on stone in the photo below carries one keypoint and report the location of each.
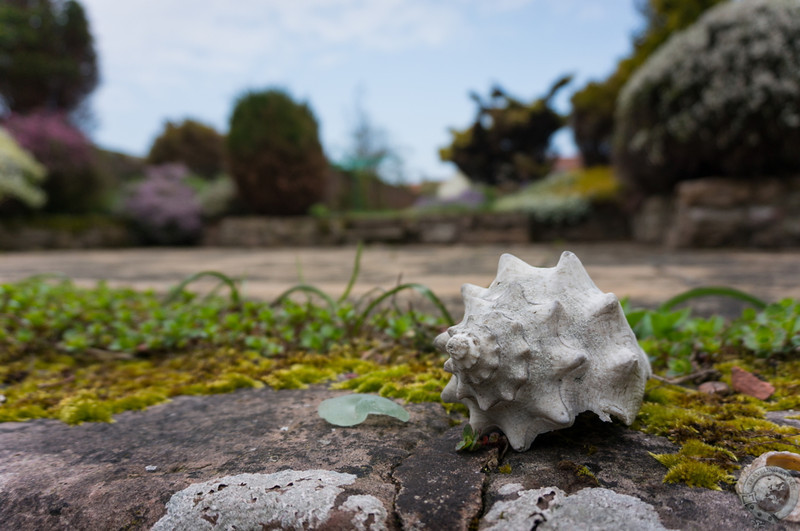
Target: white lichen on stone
(530, 509)
(549, 508)
(510, 488)
(369, 512)
(289, 499)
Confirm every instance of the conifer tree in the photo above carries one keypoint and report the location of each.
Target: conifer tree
(47, 55)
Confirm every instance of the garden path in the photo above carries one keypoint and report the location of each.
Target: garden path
(648, 275)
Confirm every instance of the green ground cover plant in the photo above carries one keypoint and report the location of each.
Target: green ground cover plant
(84, 354)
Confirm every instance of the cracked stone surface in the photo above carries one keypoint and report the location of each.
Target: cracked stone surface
(56, 476)
(95, 476)
(440, 485)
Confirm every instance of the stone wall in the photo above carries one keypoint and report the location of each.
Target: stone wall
(16, 235)
(604, 224)
(717, 212)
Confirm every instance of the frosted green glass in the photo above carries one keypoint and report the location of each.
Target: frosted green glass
(349, 410)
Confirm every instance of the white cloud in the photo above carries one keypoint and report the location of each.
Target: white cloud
(223, 36)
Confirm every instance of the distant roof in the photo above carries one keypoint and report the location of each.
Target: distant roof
(568, 163)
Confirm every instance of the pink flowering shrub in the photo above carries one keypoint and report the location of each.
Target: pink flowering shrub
(51, 138)
(164, 207)
(74, 185)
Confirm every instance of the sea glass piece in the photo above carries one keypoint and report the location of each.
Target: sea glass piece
(352, 409)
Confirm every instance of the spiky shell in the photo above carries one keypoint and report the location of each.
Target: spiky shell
(538, 347)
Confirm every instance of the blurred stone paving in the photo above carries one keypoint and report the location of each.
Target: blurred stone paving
(648, 275)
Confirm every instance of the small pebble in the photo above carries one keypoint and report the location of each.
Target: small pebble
(151, 468)
(285, 428)
(714, 388)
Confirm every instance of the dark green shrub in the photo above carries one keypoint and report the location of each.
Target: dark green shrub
(509, 140)
(719, 99)
(592, 121)
(274, 154)
(198, 146)
(120, 166)
(47, 56)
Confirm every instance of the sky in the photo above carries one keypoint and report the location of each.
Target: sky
(408, 64)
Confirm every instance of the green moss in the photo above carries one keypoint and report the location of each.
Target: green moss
(83, 407)
(695, 448)
(411, 382)
(78, 390)
(138, 400)
(698, 464)
(663, 394)
(308, 369)
(660, 419)
(232, 381)
(91, 391)
(581, 471)
(714, 432)
(585, 472)
(299, 377)
(22, 413)
(695, 473)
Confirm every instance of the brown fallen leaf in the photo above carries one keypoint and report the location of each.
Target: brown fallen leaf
(747, 383)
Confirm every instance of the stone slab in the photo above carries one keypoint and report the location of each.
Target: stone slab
(122, 475)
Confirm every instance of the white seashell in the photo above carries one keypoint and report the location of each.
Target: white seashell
(538, 347)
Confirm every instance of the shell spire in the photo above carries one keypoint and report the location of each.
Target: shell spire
(538, 347)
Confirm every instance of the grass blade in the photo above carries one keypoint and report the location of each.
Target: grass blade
(353, 274)
(305, 288)
(713, 291)
(419, 288)
(223, 278)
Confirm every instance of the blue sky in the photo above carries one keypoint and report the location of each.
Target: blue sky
(413, 62)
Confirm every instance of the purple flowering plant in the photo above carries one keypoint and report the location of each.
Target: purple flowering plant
(164, 206)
